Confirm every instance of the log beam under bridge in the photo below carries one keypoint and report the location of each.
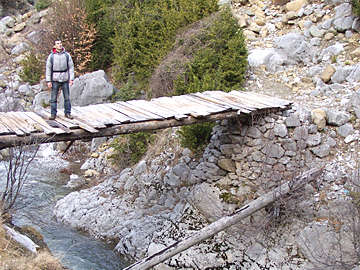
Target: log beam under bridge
(110, 119)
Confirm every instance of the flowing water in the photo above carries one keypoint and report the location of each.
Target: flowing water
(45, 185)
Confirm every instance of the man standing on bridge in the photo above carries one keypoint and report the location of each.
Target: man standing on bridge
(59, 73)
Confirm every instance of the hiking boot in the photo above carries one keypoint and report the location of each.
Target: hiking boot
(68, 115)
(52, 117)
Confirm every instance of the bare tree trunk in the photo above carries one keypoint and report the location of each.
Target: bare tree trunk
(226, 221)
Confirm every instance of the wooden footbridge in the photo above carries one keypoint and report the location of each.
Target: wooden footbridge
(104, 120)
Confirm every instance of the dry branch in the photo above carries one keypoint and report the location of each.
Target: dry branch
(226, 221)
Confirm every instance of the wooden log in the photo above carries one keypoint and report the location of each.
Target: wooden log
(88, 133)
(226, 221)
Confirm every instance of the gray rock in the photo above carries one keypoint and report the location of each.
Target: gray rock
(337, 118)
(96, 142)
(316, 32)
(301, 133)
(343, 24)
(330, 51)
(315, 41)
(356, 24)
(20, 48)
(41, 100)
(172, 180)
(295, 47)
(341, 73)
(182, 171)
(92, 88)
(343, 10)
(34, 37)
(3, 28)
(273, 151)
(321, 151)
(330, 141)
(313, 129)
(354, 75)
(254, 132)
(258, 57)
(345, 130)
(280, 130)
(8, 21)
(292, 121)
(327, 24)
(314, 140)
(348, 34)
(25, 90)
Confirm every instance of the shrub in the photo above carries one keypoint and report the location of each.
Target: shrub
(145, 33)
(222, 62)
(126, 92)
(129, 148)
(68, 22)
(356, 7)
(42, 4)
(32, 68)
(195, 137)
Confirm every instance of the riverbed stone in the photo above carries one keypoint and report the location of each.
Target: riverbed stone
(337, 118)
(345, 130)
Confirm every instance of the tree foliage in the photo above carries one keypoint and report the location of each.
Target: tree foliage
(221, 64)
(356, 7)
(145, 33)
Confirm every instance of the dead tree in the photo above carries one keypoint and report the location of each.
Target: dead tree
(17, 164)
(226, 221)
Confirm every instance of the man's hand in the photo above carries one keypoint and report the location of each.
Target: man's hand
(49, 84)
(71, 82)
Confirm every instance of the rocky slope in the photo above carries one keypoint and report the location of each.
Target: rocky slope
(303, 51)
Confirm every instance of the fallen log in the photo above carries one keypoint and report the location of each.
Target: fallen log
(227, 221)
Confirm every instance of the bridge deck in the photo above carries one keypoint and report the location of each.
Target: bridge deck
(111, 119)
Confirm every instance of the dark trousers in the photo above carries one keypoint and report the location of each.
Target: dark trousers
(54, 93)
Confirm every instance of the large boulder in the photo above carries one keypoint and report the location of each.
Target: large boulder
(92, 88)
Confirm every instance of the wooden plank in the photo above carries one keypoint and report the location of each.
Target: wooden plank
(133, 114)
(255, 99)
(4, 130)
(222, 102)
(48, 129)
(66, 122)
(120, 117)
(152, 108)
(7, 121)
(212, 107)
(179, 105)
(82, 115)
(25, 123)
(34, 124)
(165, 103)
(101, 112)
(137, 107)
(246, 99)
(201, 105)
(233, 100)
(267, 100)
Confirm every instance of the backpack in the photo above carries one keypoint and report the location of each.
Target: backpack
(52, 63)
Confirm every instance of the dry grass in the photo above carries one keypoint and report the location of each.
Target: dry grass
(14, 257)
